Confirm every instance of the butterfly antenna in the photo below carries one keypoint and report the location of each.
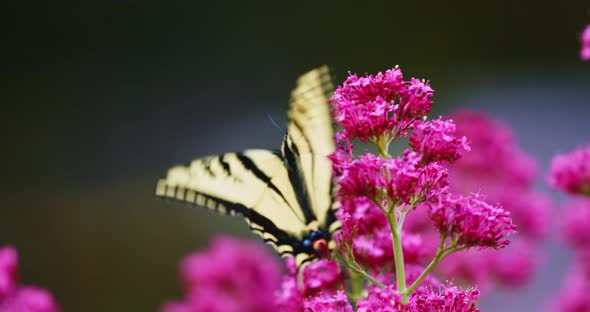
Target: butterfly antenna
(274, 122)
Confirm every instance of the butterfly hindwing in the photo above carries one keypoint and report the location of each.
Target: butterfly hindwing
(253, 184)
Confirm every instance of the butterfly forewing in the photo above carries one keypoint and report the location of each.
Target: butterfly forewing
(311, 134)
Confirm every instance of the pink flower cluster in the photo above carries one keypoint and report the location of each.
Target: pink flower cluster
(436, 141)
(373, 106)
(450, 299)
(573, 295)
(571, 172)
(497, 168)
(321, 288)
(470, 221)
(585, 39)
(398, 214)
(404, 179)
(416, 183)
(230, 276)
(17, 298)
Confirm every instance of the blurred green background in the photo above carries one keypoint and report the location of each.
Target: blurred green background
(101, 97)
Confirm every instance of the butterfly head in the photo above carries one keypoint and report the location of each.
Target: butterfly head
(317, 243)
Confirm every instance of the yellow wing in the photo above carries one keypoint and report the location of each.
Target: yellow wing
(286, 197)
(253, 184)
(310, 138)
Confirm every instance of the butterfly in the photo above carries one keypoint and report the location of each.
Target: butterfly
(286, 196)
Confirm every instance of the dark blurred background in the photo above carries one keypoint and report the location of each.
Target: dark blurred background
(101, 97)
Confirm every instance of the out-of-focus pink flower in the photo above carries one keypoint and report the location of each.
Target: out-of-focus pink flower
(575, 224)
(494, 157)
(231, 275)
(177, 307)
(289, 298)
(585, 40)
(469, 267)
(530, 211)
(571, 172)
(29, 299)
(413, 271)
(496, 167)
(321, 276)
(512, 267)
(372, 106)
(515, 265)
(470, 221)
(328, 302)
(8, 271)
(573, 295)
(318, 287)
(435, 140)
(17, 298)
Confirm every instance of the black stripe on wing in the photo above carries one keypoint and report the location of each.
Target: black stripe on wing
(291, 160)
(280, 237)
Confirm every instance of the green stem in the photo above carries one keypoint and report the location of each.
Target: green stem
(398, 253)
(356, 285)
(364, 274)
(441, 253)
(382, 144)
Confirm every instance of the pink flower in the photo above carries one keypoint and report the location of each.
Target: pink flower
(530, 211)
(289, 298)
(29, 299)
(407, 181)
(404, 178)
(323, 275)
(469, 267)
(363, 105)
(319, 286)
(360, 177)
(495, 166)
(470, 222)
(8, 272)
(231, 275)
(372, 106)
(430, 282)
(571, 172)
(367, 235)
(415, 102)
(573, 295)
(330, 302)
(575, 224)
(450, 299)
(494, 157)
(515, 265)
(585, 39)
(381, 300)
(435, 140)
(17, 298)
(364, 214)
